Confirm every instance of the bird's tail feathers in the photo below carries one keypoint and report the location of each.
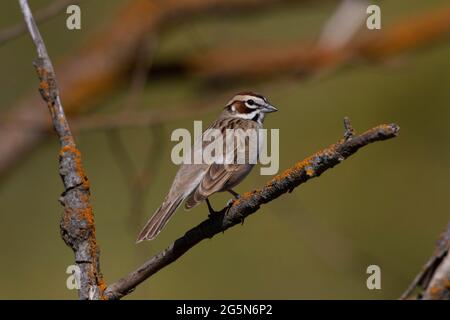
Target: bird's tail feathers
(159, 219)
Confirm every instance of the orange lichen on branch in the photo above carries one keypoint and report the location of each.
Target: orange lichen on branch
(72, 151)
(43, 85)
(439, 289)
(77, 224)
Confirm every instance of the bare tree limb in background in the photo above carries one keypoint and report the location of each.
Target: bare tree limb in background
(77, 222)
(107, 60)
(52, 10)
(147, 117)
(250, 202)
(228, 64)
(137, 179)
(138, 79)
(434, 278)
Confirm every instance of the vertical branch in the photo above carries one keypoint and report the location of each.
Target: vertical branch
(77, 223)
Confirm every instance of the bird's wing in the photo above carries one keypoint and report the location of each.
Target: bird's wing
(215, 178)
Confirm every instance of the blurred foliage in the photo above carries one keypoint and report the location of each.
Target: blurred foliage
(384, 206)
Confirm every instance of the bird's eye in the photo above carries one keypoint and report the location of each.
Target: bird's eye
(250, 102)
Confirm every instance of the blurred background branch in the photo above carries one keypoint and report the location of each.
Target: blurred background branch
(225, 64)
(231, 64)
(137, 180)
(220, 65)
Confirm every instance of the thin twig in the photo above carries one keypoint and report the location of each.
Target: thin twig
(139, 77)
(141, 183)
(249, 203)
(42, 15)
(349, 131)
(145, 118)
(121, 155)
(77, 223)
(137, 180)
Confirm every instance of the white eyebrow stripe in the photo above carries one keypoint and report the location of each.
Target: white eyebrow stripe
(246, 97)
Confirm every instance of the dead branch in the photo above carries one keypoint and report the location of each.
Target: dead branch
(77, 222)
(434, 278)
(250, 202)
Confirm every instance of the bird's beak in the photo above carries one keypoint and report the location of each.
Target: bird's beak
(269, 108)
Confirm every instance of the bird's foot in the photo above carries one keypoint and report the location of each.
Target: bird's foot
(225, 210)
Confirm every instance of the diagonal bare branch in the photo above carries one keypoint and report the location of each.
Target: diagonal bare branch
(250, 202)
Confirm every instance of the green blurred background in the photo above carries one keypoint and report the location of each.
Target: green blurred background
(386, 205)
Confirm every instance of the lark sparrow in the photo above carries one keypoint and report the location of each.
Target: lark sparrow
(196, 182)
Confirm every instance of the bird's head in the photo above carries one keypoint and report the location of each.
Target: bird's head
(249, 105)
